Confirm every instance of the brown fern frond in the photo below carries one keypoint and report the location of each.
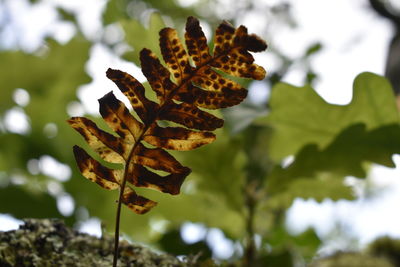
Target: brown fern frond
(189, 82)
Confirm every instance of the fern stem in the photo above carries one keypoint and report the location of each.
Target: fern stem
(118, 216)
(116, 236)
(121, 193)
(117, 221)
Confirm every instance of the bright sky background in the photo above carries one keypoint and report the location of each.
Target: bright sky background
(354, 38)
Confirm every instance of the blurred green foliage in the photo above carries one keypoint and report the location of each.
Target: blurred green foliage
(328, 142)
(310, 119)
(148, 36)
(173, 243)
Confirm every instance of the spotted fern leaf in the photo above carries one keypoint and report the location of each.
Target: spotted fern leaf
(190, 82)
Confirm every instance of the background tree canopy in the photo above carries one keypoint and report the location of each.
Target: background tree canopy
(285, 142)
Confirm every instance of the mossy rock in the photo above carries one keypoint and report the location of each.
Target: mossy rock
(49, 242)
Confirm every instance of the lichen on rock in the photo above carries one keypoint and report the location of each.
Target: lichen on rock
(49, 242)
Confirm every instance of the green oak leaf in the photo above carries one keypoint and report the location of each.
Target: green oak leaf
(349, 149)
(299, 116)
(239, 117)
(345, 156)
(138, 36)
(321, 186)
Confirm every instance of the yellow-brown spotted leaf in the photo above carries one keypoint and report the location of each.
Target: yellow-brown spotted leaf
(118, 117)
(187, 84)
(94, 171)
(223, 39)
(177, 138)
(175, 55)
(135, 92)
(138, 204)
(158, 159)
(191, 117)
(196, 42)
(231, 52)
(106, 145)
(157, 75)
(220, 93)
(141, 177)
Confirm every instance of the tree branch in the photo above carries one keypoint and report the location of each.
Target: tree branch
(384, 11)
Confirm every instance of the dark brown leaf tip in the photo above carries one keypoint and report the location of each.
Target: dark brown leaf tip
(225, 27)
(193, 27)
(255, 43)
(114, 74)
(108, 99)
(185, 86)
